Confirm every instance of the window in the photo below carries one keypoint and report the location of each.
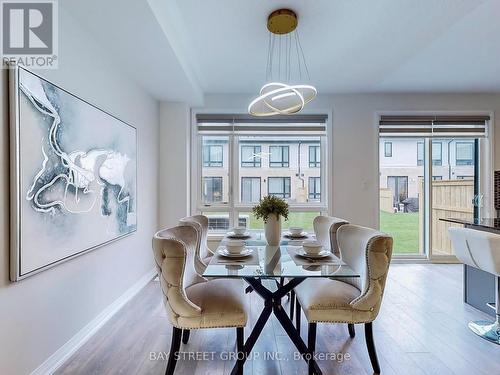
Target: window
(212, 155)
(437, 178)
(315, 188)
(279, 156)
(258, 157)
(420, 153)
(250, 189)
(314, 156)
(388, 149)
(212, 189)
(464, 153)
(251, 156)
(437, 153)
(279, 186)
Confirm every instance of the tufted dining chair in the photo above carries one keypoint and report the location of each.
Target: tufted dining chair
(203, 253)
(325, 230)
(191, 301)
(355, 300)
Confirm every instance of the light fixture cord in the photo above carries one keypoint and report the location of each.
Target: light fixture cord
(303, 56)
(298, 56)
(268, 66)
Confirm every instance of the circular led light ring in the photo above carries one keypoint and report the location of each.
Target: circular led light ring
(282, 88)
(279, 92)
(295, 89)
(274, 111)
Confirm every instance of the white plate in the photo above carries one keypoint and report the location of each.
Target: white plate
(321, 254)
(301, 235)
(246, 252)
(234, 235)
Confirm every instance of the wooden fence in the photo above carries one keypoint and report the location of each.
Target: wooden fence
(450, 198)
(386, 200)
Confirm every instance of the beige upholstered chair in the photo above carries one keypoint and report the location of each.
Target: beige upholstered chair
(203, 253)
(191, 301)
(325, 230)
(354, 301)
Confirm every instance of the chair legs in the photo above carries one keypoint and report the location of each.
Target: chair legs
(292, 303)
(371, 347)
(179, 335)
(185, 336)
(239, 348)
(297, 315)
(352, 332)
(311, 344)
(174, 350)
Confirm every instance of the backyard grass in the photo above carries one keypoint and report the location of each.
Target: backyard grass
(404, 229)
(402, 226)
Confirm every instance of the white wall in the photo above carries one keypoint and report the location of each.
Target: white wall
(355, 139)
(39, 314)
(174, 163)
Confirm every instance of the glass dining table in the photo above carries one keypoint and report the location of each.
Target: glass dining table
(276, 262)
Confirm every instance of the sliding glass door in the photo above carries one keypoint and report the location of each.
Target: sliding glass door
(423, 180)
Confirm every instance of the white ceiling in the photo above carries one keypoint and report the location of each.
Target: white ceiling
(220, 46)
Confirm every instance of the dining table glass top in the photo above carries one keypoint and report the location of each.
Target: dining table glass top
(275, 261)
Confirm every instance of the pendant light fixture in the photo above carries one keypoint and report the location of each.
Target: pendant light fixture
(286, 68)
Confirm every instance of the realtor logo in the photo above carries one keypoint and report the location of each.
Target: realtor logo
(29, 33)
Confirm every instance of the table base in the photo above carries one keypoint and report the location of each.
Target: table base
(272, 304)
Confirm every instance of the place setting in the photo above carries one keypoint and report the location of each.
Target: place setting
(235, 252)
(312, 252)
(240, 233)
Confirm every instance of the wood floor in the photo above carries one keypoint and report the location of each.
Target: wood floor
(422, 329)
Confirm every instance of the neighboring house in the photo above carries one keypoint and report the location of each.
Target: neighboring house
(286, 168)
(402, 164)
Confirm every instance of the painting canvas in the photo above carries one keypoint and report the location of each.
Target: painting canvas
(73, 175)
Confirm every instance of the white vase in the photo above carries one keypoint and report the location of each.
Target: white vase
(273, 230)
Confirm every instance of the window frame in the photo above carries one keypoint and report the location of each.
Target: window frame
(468, 162)
(283, 195)
(251, 164)
(420, 162)
(435, 162)
(315, 179)
(212, 178)
(232, 206)
(315, 163)
(283, 164)
(241, 188)
(209, 163)
(386, 153)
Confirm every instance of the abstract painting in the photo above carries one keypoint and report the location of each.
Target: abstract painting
(73, 175)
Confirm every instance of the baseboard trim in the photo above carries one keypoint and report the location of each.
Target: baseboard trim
(56, 360)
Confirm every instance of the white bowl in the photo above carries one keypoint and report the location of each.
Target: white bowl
(239, 230)
(235, 246)
(312, 247)
(296, 230)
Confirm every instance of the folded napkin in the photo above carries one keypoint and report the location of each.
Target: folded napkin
(250, 260)
(301, 261)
